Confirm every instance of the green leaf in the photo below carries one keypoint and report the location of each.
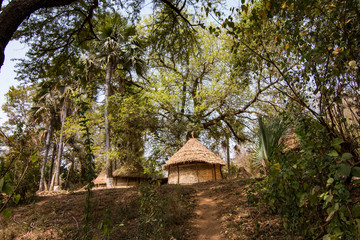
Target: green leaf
(327, 237)
(344, 169)
(1, 184)
(337, 141)
(16, 198)
(8, 188)
(346, 156)
(329, 182)
(6, 213)
(303, 199)
(355, 210)
(34, 157)
(328, 198)
(355, 171)
(333, 153)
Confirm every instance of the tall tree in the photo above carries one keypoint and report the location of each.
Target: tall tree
(65, 101)
(45, 111)
(203, 91)
(120, 53)
(18, 165)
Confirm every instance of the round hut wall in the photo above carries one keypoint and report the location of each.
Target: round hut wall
(193, 173)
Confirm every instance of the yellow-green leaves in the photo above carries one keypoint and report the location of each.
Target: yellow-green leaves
(352, 64)
(34, 158)
(6, 213)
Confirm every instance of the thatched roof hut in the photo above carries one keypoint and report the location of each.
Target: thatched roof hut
(193, 163)
(123, 176)
(100, 181)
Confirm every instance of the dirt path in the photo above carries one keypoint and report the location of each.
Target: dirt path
(207, 222)
(222, 212)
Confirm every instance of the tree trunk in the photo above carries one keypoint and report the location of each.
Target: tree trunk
(71, 168)
(51, 166)
(56, 179)
(108, 76)
(228, 156)
(47, 148)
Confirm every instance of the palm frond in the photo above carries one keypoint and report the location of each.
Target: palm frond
(269, 141)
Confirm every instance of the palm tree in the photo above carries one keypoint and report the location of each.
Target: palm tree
(45, 112)
(64, 93)
(51, 97)
(116, 47)
(269, 134)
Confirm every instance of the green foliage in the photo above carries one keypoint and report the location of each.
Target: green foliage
(307, 186)
(90, 166)
(233, 170)
(268, 143)
(132, 117)
(152, 213)
(106, 227)
(163, 213)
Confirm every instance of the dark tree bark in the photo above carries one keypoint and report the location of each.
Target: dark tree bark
(16, 12)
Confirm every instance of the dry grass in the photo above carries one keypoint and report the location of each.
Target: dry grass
(61, 216)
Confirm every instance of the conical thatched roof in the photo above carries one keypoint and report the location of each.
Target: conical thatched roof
(193, 151)
(101, 178)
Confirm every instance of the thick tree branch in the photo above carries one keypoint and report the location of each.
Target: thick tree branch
(18, 10)
(239, 138)
(177, 11)
(222, 117)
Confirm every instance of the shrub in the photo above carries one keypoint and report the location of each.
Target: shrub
(307, 186)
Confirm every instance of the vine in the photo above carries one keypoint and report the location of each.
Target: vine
(90, 166)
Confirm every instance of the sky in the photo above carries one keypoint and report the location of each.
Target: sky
(7, 72)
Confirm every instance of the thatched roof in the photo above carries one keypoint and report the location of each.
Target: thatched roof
(193, 151)
(123, 171)
(129, 171)
(101, 178)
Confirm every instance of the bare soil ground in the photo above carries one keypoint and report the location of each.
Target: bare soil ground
(216, 210)
(223, 213)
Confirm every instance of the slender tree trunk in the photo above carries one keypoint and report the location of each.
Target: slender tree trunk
(108, 76)
(56, 179)
(47, 148)
(51, 166)
(71, 168)
(228, 156)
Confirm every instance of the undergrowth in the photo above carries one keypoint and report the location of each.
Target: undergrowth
(307, 186)
(163, 211)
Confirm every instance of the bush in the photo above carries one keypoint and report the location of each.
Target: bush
(307, 186)
(163, 211)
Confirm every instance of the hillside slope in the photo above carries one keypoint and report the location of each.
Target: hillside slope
(213, 210)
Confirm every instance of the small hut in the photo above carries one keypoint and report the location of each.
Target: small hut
(123, 176)
(100, 181)
(193, 163)
(129, 176)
